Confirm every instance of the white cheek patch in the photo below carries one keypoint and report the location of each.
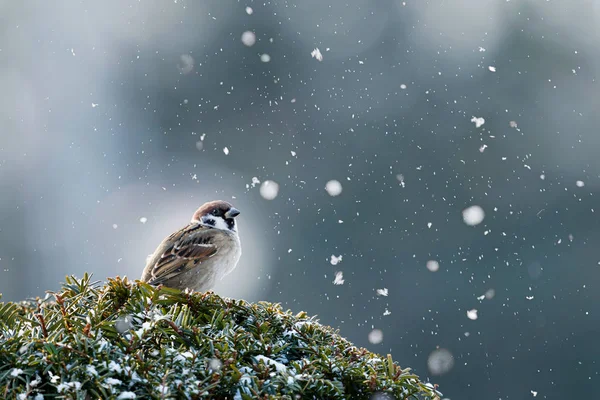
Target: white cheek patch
(221, 224)
(216, 222)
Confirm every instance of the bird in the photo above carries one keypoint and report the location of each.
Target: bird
(200, 253)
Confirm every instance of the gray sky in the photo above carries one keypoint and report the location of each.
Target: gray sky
(118, 112)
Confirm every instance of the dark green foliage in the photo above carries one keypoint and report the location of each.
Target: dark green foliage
(129, 340)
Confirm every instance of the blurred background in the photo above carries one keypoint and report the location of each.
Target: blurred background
(422, 175)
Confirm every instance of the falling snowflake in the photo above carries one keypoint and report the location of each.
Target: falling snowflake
(492, 69)
(316, 53)
(265, 58)
(339, 278)
(472, 314)
(580, 183)
(226, 151)
(335, 260)
(478, 121)
(473, 215)
(400, 179)
(248, 38)
(333, 187)
(249, 10)
(375, 336)
(269, 190)
(143, 220)
(255, 181)
(187, 63)
(215, 364)
(382, 292)
(433, 265)
(440, 361)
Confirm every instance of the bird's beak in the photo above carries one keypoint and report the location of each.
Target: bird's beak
(232, 213)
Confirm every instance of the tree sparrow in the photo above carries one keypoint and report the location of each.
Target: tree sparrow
(194, 257)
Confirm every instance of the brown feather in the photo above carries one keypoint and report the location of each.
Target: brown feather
(199, 254)
(183, 250)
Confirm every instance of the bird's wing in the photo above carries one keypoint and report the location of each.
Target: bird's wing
(182, 251)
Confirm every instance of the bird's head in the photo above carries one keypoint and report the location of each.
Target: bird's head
(218, 214)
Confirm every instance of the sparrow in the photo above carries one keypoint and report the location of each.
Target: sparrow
(199, 254)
